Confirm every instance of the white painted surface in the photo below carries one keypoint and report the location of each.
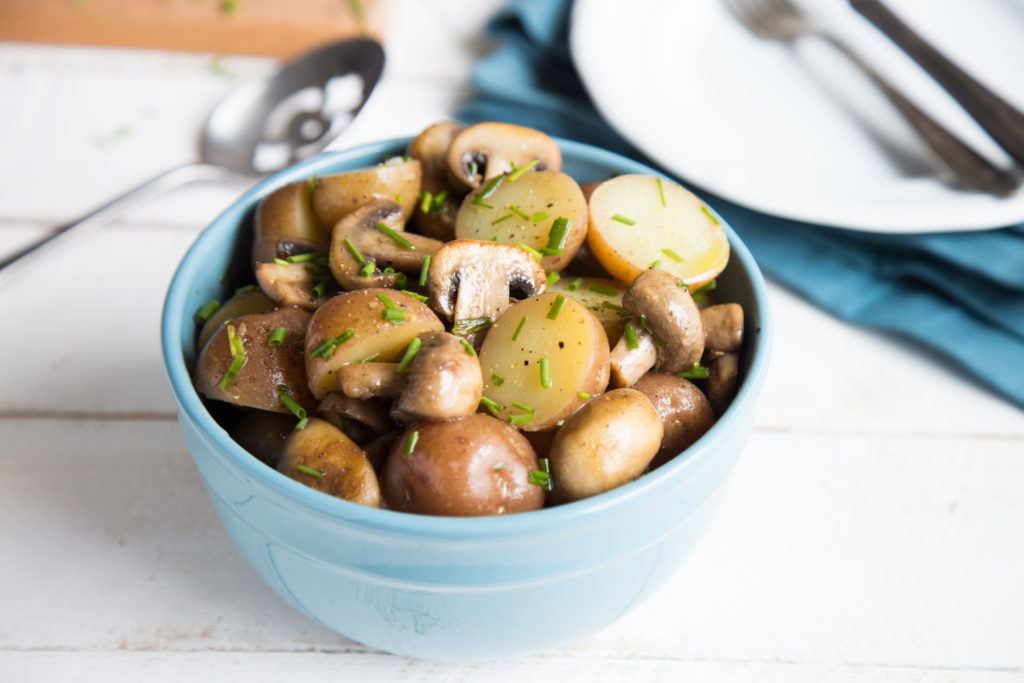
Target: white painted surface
(874, 528)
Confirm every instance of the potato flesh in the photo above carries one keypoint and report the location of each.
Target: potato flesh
(344, 470)
(361, 312)
(576, 349)
(680, 228)
(342, 193)
(541, 195)
(592, 292)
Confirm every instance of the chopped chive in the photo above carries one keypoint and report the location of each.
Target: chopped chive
(325, 349)
(523, 407)
(519, 212)
(312, 187)
(292, 405)
(536, 254)
(643, 321)
(519, 328)
(467, 347)
(235, 342)
(519, 419)
(410, 352)
(423, 271)
(398, 198)
(654, 264)
(672, 255)
(559, 231)
(622, 219)
(548, 251)
(696, 371)
(575, 284)
(401, 241)
(309, 470)
(474, 170)
(490, 187)
(277, 336)
(368, 268)
(542, 477)
(236, 364)
(401, 280)
(247, 288)
(660, 343)
(320, 288)
(500, 466)
(204, 313)
(317, 257)
(415, 295)
(600, 289)
(280, 262)
(395, 316)
(503, 218)
(469, 325)
(553, 277)
(410, 443)
(614, 307)
(545, 373)
(707, 212)
(584, 395)
(522, 169)
(481, 203)
(556, 307)
(371, 358)
(497, 380)
(700, 295)
(386, 300)
(539, 216)
(426, 200)
(661, 191)
(355, 252)
(630, 334)
(492, 406)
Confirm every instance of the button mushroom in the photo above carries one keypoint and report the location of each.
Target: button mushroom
(306, 285)
(684, 410)
(669, 314)
(469, 467)
(263, 434)
(488, 149)
(605, 444)
(723, 327)
(360, 420)
(473, 280)
(439, 203)
(723, 379)
(370, 249)
(323, 458)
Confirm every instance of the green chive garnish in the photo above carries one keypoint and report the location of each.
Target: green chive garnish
(309, 470)
(312, 187)
(467, 347)
(490, 187)
(556, 307)
(500, 466)
(519, 328)
(521, 170)
(622, 219)
(236, 364)
(398, 198)
(536, 254)
(317, 257)
(696, 371)
(545, 373)
(410, 443)
(415, 295)
(492, 406)
(526, 417)
(469, 325)
(325, 349)
(395, 316)
(386, 300)
(204, 313)
(524, 407)
(672, 255)
(542, 477)
(247, 288)
(661, 191)
(355, 252)
(654, 264)
(559, 231)
(553, 277)
(600, 289)
(291, 404)
(277, 336)
(497, 380)
(519, 212)
(707, 212)
(280, 262)
(614, 307)
(368, 268)
(700, 293)
(426, 200)
(401, 241)
(479, 202)
(503, 218)
(575, 284)
(410, 352)
(630, 334)
(539, 216)
(371, 358)
(643, 321)
(547, 251)
(584, 395)
(423, 271)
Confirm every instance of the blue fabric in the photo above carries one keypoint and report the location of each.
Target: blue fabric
(959, 294)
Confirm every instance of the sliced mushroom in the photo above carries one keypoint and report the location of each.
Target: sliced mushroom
(323, 458)
(293, 284)
(373, 235)
(487, 149)
(439, 203)
(723, 379)
(469, 279)
(723, 327)
(360, 420)
(443, 381)
(371, 380)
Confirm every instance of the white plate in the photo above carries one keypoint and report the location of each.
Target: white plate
(797, 131)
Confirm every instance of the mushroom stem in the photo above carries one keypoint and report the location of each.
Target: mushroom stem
(723, 379)
(371, 380)
(671, 316)
(629, 365)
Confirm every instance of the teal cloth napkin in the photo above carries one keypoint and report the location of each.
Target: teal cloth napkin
(958, 294)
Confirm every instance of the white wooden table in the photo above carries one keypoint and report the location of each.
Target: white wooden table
(874, 529)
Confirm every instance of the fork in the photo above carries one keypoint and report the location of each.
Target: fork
(782, 20)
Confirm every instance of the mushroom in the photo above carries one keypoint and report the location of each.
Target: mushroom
(371, 380)
(684, 410)
(370, 249)
(471, 280)
(723, 379)
(306, 285)
(605, 444)
(723, 327)
(667, 312)
(487, 149)
(360, 420)
(473, 466)
(263, 434)
(320, 456)
(435, 215)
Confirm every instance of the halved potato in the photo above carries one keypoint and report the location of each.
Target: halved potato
(352, 327)
(523, 209)
(601, 296)
(322, 457)
(553, 331)
(637, 221)
(336, 195)
(242, 303)
(285, 224)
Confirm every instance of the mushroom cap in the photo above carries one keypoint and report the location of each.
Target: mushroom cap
(473, 279)
(442, 382)
(672, 317)
(430, 147)
(493, 147)
(723, 327)
(684, 410)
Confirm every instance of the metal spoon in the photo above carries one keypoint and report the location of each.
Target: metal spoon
(260, 127)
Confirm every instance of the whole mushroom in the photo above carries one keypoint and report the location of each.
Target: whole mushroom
(684, 410)
(484, 150)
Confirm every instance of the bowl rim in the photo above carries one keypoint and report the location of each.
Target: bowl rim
(589, 510)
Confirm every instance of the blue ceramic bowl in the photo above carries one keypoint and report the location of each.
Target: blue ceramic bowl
(454, 588)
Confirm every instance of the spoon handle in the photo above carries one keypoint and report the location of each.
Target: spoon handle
(1003, 121)
(14, 264)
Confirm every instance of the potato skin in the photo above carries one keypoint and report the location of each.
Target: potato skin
(684, 410)
(451, 471)
(347, 472)
(605, 444)
(339, 194)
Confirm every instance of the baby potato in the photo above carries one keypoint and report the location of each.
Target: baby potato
(523, 210)
(542, 359)
(242, 303)
(605, 444)
(396, 180)
(637, 221)
(355, 326)
(601, 296)
(320, 456)
(284, 221)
